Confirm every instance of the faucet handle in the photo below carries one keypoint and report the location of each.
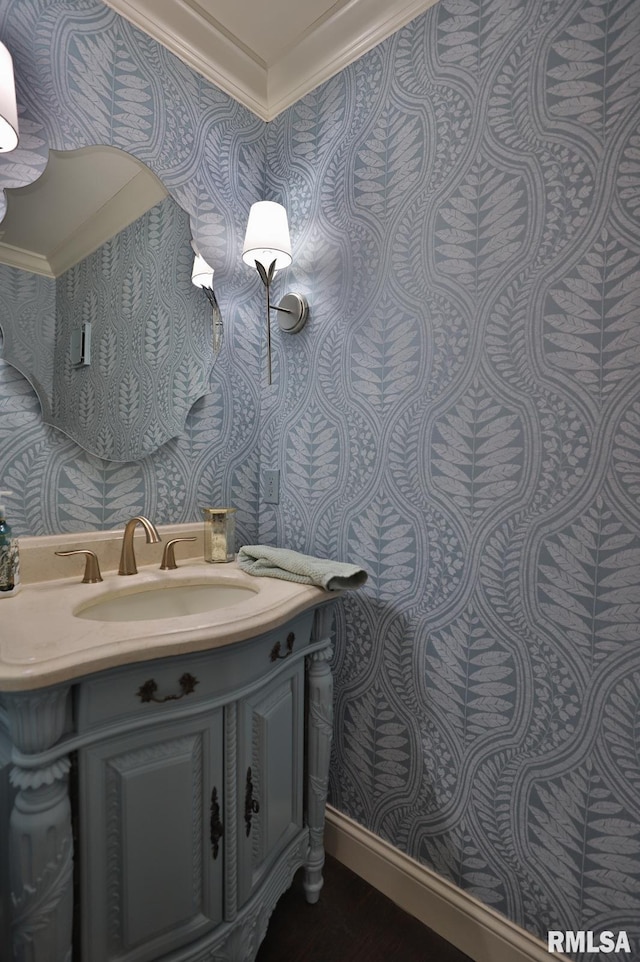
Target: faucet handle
(91, 569)
(168, 555)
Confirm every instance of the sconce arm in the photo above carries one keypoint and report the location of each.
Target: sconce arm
(266, 276)
(297, 308)
(285, 310)
(211, 297)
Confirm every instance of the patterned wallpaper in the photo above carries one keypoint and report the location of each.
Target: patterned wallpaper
(28, 326)
(461, 414)
(462, 417)
(151, 339)
(84, 76)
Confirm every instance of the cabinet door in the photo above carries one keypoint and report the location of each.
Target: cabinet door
(6, 803)
(151, 876)
(270, 775)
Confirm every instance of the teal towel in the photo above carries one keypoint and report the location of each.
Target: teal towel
(268, 562)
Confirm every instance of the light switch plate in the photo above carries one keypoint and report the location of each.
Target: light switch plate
(271, 486)
(81, 345)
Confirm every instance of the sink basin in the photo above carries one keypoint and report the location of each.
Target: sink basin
(151, 602)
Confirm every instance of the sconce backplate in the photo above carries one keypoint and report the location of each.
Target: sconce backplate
(293, 311)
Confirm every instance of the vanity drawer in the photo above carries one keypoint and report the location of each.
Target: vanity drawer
(154, 688)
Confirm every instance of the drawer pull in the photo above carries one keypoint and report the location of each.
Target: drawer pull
(251, 804)
(217, 828)
(147, 692)
(275, 651)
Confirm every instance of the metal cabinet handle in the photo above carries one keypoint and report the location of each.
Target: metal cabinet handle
(91, 568)
(275, 651)
(216, 826)
(251, 804)
(147, 692)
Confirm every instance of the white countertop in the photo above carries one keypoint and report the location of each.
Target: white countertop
(43, 643)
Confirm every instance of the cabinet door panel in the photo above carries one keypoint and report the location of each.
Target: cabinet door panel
(270, 775)
(157, 840)
(149, 881)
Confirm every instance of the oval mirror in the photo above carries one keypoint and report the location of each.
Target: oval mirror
(97, 308)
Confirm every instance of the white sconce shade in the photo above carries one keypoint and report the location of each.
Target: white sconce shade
(8, 106)
(267, 237)
(201, 274)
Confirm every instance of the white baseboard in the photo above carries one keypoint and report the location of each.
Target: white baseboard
(474, 928)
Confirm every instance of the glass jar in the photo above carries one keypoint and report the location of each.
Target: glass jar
(219, 534)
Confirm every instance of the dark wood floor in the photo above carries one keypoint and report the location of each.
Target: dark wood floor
(352, 922)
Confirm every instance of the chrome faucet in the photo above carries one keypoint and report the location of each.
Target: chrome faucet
(127, 556)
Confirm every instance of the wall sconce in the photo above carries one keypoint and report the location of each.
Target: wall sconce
(8, 105)
(267, 247)
(202, 277)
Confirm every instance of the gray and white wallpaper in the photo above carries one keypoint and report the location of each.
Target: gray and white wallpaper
(151, 339)
(461, 414)
(463, 419)
(28, 327)
(84, 76)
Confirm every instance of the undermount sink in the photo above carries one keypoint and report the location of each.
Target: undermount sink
(154, 601)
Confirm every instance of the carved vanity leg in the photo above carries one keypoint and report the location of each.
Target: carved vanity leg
(320, 731)
(40, 842)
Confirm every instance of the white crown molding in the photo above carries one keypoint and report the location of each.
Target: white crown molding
(339, 41)
(473, 927)
(25, 260)
(133, 200)
(321, 52)
(202, 46)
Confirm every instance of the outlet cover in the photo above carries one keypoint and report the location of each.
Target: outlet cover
(271, 486)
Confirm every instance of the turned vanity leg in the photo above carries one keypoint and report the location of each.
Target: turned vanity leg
(40, 836)
(320, 731)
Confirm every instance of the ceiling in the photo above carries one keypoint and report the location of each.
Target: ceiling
(265, 55)
(268, 55)
(87, 197)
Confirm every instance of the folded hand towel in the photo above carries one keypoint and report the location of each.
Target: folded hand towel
(260, 559)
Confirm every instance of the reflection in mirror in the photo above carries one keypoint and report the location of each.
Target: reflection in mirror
(97, 309)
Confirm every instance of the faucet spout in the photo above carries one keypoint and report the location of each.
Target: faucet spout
(127, 555)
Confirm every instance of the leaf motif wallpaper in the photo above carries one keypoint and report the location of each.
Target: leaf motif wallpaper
(464, 201)
(461, 414)
(151, 339)
(28, 326)
(85, 76)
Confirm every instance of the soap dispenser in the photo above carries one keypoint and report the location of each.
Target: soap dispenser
(9, 556)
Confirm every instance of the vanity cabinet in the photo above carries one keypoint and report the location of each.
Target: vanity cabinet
(270, 777)
(149, 883)
(200, 789)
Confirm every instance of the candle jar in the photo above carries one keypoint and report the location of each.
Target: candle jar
(219, 534)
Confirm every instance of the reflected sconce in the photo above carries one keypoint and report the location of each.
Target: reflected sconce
(202, 277)
(267, 247)
(8, 105)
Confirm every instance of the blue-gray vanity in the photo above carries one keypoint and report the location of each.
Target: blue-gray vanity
(157, 795)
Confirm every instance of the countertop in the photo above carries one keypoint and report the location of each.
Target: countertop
(43, 643)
